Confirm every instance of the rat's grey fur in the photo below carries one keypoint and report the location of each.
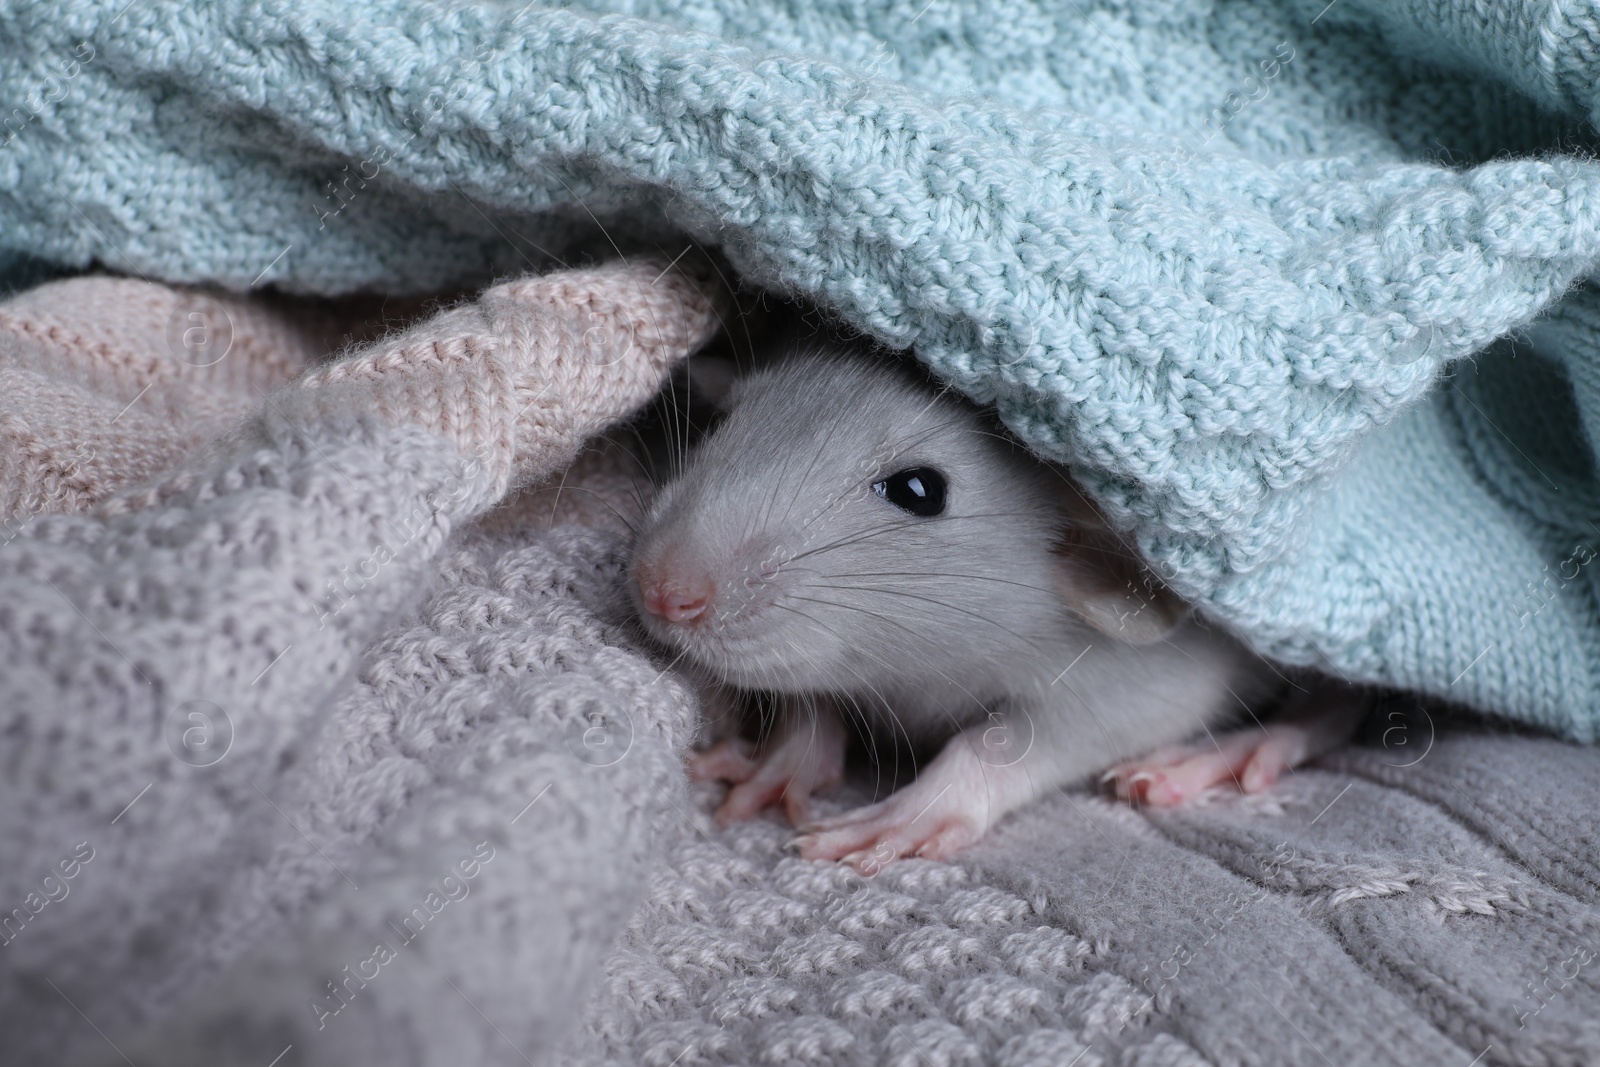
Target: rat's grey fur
(823, 587)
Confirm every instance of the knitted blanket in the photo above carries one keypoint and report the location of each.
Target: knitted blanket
(303, 734)
(266, 699)
(1228, 260)
(316, 756)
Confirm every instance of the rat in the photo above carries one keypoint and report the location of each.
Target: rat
(858, 542)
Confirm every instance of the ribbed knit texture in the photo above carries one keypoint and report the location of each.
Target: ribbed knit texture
(1207, 254)
(1365, 912)
(100, 392)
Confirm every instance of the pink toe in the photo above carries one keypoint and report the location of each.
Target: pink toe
(1262, 770)
(727, 761)
(744, 801)
(1164, 792)
(796, 805)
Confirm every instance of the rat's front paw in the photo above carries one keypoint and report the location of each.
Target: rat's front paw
(946, 809)
(808, 758)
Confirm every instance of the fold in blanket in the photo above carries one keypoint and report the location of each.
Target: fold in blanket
(283, 692)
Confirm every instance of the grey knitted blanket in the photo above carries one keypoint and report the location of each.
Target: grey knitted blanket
(1426, 899)
(319, 749)
(1364, 912)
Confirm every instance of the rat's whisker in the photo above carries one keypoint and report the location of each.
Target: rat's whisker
(599, 496)
(874, 656)
(936, 603)
(902, 524)
(942, 574)
(884, 706)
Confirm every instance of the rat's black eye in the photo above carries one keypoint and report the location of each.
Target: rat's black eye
(919, 490)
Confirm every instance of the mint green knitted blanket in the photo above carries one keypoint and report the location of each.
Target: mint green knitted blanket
(1299, 288)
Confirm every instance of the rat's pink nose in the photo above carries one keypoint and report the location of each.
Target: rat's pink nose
(675, 606)
(676, 598)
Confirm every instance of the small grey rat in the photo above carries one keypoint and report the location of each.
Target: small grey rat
(858, 541)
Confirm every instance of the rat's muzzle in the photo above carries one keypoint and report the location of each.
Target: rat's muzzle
(674, 593)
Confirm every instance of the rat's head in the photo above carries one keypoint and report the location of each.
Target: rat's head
(851, 527)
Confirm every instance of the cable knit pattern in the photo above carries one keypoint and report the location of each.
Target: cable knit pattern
(1214, 257)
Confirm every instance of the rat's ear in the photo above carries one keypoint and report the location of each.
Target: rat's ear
(1103, 579)
(1112, 589)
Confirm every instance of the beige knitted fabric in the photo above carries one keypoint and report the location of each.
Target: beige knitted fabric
(534, 368)
(106, 383)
